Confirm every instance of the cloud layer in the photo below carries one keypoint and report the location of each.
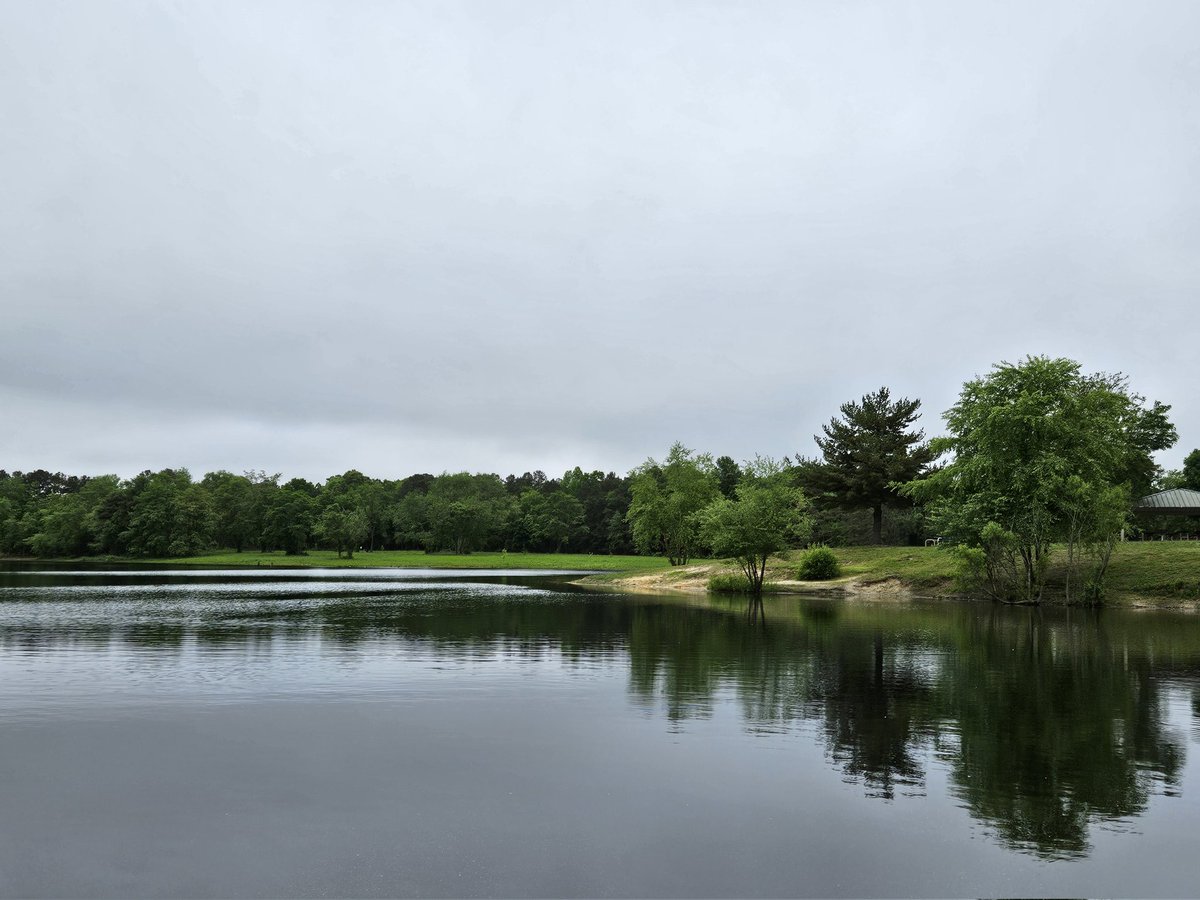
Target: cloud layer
(506, 236)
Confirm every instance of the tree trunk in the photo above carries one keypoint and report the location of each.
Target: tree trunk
(877, 523)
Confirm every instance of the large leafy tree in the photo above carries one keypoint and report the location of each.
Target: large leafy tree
(870, 448)
(288, 520)
(766, 516)
(603, 497)
(344, 527)
(459, 512)
(1191, 470)
(170, 516)
(546, 521)
(665, 502)
(64, 524)
(1042, 453)
(729, 473)
(233, 513)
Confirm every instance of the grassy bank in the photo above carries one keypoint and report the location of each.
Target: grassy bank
(416, 559)
(1141, 574)
(1147, 573)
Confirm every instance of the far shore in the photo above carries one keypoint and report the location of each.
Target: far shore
(1149, 575)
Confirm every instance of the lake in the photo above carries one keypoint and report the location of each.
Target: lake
(424, 733)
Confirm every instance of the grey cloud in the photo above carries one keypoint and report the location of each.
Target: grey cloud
(510, 235)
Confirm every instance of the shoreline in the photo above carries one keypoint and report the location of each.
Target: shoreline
(1142, 575)
(926, 574)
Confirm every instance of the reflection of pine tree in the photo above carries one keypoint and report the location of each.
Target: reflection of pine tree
(876, 711)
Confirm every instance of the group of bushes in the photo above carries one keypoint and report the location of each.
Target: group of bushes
(818, 563)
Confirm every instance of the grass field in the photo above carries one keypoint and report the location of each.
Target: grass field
(416, 559)
(917, 566)
(1169, 570)
(1139, 570)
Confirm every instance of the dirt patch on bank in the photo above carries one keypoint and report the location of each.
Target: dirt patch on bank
(694, 580)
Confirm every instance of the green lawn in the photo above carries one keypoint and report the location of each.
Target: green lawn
(1170, 569)
(918, 566)
(1150, 571)
(416, 559)
(1147, 570)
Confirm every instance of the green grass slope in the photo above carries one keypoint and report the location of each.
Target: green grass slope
(1148, 571)
(416, 559)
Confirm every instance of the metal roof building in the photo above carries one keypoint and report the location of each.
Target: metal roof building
(1176, 502)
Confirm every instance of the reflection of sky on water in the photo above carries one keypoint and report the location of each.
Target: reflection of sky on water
(1051, 734)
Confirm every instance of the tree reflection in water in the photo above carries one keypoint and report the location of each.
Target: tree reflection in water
(1059, 724)
(1048, 722)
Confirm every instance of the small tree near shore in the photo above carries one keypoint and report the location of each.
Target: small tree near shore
(768, 515)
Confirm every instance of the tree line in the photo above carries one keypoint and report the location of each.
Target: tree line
(169, 514)
(1036, 454)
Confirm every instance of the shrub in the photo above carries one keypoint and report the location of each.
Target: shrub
(970, 569)
(738, 584)
(818, 564)
(729, 584)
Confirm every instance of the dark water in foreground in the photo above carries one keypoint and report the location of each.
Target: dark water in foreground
(380, 733)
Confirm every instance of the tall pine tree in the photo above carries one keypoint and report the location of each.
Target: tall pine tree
(864, 451)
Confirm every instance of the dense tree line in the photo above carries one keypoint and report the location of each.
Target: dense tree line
(656, 509)
(1037, 455)
(169, 514)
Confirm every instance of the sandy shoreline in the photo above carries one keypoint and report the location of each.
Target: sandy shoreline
(693, 579)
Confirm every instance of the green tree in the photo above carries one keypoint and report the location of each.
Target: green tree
(1169, 480)
(344, 527)
(288, 520)
(460, 512)
(354, 490)
(408, 520)
(729, 473)
(66, 524)
(1039, 448)
(170, 516)
(602, 496)
(232, 499)
(1191, 471)
(767, 516)
(1093, 516)
(666, 500)
(460, 525)
(264, 496)
(547, 521)
(865, 453)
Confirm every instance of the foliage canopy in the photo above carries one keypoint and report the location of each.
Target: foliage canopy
(665, 503)
(1042, 453)
(767, 516)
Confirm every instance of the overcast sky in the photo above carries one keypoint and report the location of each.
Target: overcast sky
(501, 236)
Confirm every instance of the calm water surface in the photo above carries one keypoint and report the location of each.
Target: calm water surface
(384, 733)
